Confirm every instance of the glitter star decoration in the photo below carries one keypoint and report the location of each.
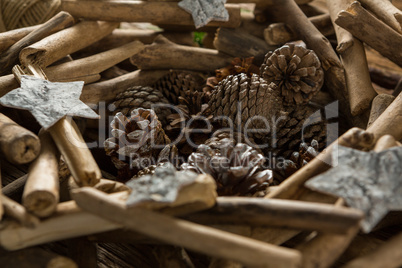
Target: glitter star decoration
(162, 187)
(369, 181)
(204, 11)
(48, 101)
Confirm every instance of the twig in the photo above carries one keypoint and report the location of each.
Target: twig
(18, 212)
(370, 30)
(385, 142)
(380, 103)
(9, 38)
(385, 11)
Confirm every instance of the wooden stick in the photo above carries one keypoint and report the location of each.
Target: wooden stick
(78, 157)
(385, 142)
(190, 235)
(380, 103)
(370, 30)
(9, 38)
(385, 11)
(65, 42)
(353, 56)
(354, 138)
(41, 192)
(163, 54)
(140, 11)
(68, 222)
(389, 122)
(386, 255)
(90, 65)
(55, 24)
(107, 90)
(324, 249)
(297, 215)
(279, 33)
(18, 212)
(238, 43)
(17, 144)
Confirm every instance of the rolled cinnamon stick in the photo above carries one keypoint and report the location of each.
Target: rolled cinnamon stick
(41, 192)
(58, 45)
(142, 11)
(17, 144)
(9, 58)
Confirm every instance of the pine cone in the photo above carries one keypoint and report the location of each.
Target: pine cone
(237, 169)
(257, 110)
(297, 160)
(297, 72)
(176, 84)
(142, 97)
(220, 138)
(148, 170)
(136, 142)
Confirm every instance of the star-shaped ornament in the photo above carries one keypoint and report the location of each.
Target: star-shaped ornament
(161, 187)
(48, 101)
(204, 11)
(369, 181)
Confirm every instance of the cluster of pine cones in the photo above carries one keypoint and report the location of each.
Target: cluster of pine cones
(226, 126)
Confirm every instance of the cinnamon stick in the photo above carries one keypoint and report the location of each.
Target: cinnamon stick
(142, 11)
(182, 233)
(372, 31)
(58, 45)
(41, 192)
(164, 54)
(17, 144)
(10, 57)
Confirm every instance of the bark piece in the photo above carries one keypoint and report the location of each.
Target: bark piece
(164, 54)
(370, 30)
(368, 181)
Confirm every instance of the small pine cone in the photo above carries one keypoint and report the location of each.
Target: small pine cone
(142, 97)
(148, 170)
(176, 84)
(297, 72)
(237, 169)
(297, 160)
(220, 139)
(136, 141)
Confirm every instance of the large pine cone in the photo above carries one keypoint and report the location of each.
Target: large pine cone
(256, 109)
(297, 72)
(136, 142)
(237, 169)
(177, 83)
(142, 97)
